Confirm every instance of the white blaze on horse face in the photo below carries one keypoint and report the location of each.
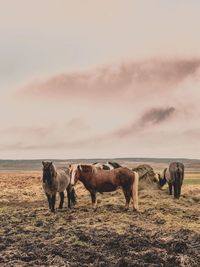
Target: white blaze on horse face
(73, 177)
(73, 174)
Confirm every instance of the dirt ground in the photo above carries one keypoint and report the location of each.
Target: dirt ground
(165, 232)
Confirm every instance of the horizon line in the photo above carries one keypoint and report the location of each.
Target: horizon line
(100, 158)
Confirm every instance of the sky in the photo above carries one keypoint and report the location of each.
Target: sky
(99, 79)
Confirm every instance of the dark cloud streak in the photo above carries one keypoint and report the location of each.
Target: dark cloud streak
(150, 118)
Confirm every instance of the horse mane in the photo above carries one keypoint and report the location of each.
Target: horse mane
(94, 170)
(115, 165)
(49, 173)
(92, 167)
(53, 170)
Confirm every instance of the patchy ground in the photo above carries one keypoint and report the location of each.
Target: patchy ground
(166, 232)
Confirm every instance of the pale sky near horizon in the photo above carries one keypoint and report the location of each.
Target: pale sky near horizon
(85, 79)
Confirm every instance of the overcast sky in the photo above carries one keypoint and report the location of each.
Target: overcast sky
(109, 78)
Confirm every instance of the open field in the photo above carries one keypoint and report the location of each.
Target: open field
(166, 232)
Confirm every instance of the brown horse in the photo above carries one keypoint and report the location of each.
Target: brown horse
(96, 180)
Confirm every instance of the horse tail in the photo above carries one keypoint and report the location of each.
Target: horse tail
(135, 185)
(178, 180)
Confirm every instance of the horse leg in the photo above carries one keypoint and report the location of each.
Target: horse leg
(94, 200)
(61, 200)
(175, 190)
(127, 195)
(73, 196)
(69, 197)
(53, 202)
(179, 190)
(49, 200)
(179, 185)
(170, 189)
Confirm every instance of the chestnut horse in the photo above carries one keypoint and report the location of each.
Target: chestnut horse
(97, 180)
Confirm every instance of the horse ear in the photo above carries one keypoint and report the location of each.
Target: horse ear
(79, 167)
(43, 163)
(86, 168)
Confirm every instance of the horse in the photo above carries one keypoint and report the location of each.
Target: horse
(173, 175)
(107, 166)
(97, 180)
(54, 181)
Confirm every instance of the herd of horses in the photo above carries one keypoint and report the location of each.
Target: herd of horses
(108, 177)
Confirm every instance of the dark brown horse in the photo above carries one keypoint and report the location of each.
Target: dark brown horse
(173, 175)
(54, 181)
(96, 180)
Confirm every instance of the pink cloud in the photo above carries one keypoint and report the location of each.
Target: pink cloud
(127, 80)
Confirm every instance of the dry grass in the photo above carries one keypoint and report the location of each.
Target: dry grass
(32, 236)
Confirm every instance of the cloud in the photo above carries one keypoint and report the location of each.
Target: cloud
(149, 118)
(127, 80)
(156, 115)
(37, 132)
(77, 124)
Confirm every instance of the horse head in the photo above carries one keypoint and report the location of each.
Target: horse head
(162, 178)
(73, 173)
(49, 172)
(79, 171)
(157, 178)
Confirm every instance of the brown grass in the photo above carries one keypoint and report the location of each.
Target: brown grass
(32, 236)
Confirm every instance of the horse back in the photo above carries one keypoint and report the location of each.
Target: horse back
(176, 170)
(125, 175)
(63, 180)
(110, 180)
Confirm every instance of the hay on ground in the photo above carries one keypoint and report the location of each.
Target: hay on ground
(146, 174)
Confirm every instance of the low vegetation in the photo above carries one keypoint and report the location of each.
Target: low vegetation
(165, 232)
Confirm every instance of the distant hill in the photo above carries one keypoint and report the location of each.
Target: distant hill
(37, 164)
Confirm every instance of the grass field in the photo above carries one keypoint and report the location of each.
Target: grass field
(165, 232)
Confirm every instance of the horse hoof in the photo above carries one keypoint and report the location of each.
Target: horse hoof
(136, 210)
